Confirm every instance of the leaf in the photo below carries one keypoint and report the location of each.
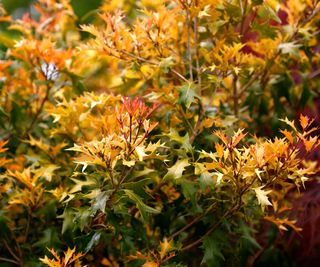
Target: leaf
(68, 255)
(79, 184)
(204, 12)
(288, 135)
(166, 63)
(187, 94)
(289, 48)
(290, 123)
(177, 169)
(212, 251)
(267, 12)
(262, 196)
(238, 136)
(309, 143)
(165, 247)
(222, 137)
(305, 121)
(150, 264)
(99, 203)
(143, 208)
(184, 140)
(67, 216)
(219, 149)
(140, 152)
(93, 241)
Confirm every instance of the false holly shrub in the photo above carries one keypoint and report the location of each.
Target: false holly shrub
(155, 133)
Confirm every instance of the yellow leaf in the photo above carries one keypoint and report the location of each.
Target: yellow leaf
(262, 196)
(150, 264)
(290, 123)
(140, 152)
(204, 12)
(219, 149)
(177, 169)
(165, 247)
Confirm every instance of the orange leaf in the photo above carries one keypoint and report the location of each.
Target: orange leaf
(288, 135)
(222, 137)
(304, 121)
(219, 149)
(150, 264)
(237, 137)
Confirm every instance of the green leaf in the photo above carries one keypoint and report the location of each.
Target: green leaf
(187, 94)
(143, 208)
(184, 140)
(212, 251)
(266, 12)
(67, 216)
(99, 203)
(306, 94)
(50, 238)
(206, 181)
(166, 63)
(257, 2)
(79, 184)
(83, 217)
(93, 241)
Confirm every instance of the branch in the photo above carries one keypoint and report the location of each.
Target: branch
(18, 260)
(213, 228)
(196, 37)
(195, 220)
(9, 260)
(189, 43)
(35, 118)
(198, 124)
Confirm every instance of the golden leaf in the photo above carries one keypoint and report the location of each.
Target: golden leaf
(165, 247)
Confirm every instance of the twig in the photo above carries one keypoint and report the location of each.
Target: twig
(213, 228)
(152, 63)
(35, 118)
(196, 37)
(235, 97)
(195, 220)
(198, 124)
(189, 43)
(11, 251)
(9, 260)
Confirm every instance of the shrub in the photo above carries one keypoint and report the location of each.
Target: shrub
(150, 135)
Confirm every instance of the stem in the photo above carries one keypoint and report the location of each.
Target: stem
(235, 97)
(195, 220)
(189, 43)
(35, 118)
(243, 8)
(9, 260)
(11, 252)
(116, 189)
(152, 63)
(196, 37)
(28, 223)
(198, 124)
(214, 227)
(130, 129)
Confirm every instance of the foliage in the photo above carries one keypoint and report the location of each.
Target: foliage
(151, 135)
